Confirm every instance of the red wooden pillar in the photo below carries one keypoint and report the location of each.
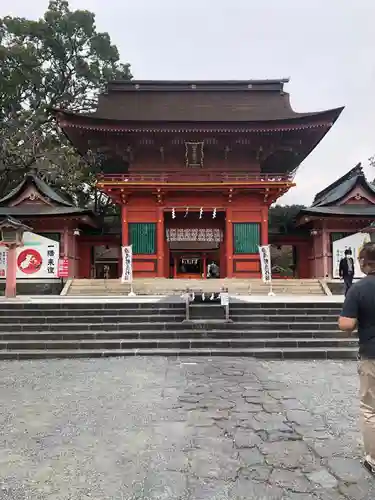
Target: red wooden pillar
(124, 226)
(264, 227)
(229, 241)
(85, 264)
(66, 242)
(175, 267)
(11, 280)
(160, 242)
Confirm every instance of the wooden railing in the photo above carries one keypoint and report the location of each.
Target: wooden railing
(196, 177)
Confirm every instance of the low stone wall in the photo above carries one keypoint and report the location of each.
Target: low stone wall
(336, 287)
(35, 288)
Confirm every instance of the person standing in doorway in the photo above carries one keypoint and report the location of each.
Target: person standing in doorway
(359, 312)
(213, 270)
(346, 269)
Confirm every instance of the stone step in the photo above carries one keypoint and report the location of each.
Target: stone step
(177, 285)
(204, 325)
(247, 314)
(90, 313)
(187, 343)
(164, 305)
(93, 319)
(11, 336)
(235, 304)
(262, 353)
(260, 293)
(293, 309)
(319, 318)
(98, 307)
(163, 286)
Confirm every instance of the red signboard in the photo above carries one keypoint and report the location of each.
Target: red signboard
(64, 268)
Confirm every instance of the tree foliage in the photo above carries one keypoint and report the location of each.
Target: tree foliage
(282, 218)
(58, 61)
(24, 149)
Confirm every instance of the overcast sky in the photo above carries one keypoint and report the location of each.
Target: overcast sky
(326, 47)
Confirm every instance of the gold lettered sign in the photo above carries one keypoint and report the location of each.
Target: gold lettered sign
(194, 154)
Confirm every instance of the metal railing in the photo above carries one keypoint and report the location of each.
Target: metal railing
(194, 176)
(222, 296)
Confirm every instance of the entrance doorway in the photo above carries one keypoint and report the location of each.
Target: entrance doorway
(106, 262)
(189, 267)
(106, 270)
(283, 259)
(192, 265)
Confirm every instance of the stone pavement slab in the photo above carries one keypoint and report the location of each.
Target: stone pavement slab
(196, 429)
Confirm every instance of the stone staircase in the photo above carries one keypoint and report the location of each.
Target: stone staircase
(163, 286)
(93, 329)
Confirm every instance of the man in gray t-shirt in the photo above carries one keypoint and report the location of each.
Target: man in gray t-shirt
(359, 312)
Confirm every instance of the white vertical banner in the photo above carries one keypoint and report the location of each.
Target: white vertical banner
(127, 264)
(265, 263)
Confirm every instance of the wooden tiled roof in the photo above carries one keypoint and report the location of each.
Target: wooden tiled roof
(193, 102)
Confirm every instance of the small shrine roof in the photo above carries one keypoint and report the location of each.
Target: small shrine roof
(41, 186)
(60, 205)
(343, 186)
(30, 211)
(326, 202)
(13, 223)
(341, 211)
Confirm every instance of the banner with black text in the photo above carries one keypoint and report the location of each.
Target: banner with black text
(127, 264)
(265, 263)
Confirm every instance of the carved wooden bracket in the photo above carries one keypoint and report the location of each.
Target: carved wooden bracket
(159, 196)
(124, 197)
(162, 156)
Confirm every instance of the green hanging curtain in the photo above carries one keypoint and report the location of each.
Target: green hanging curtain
(142, 236)
(246, 237)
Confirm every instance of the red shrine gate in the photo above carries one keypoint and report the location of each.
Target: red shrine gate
(179, 238)
(174, 153)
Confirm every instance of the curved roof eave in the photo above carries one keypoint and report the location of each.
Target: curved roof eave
(42, 186)
(330, 116)
(338, 211)
(341, 191)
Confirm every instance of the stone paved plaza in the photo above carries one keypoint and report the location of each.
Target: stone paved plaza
(158, 428)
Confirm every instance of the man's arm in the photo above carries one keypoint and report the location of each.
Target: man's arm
(349, 315)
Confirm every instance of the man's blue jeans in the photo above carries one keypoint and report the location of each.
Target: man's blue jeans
(348, 281)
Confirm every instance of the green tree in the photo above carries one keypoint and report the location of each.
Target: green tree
(61, 60)
(58, 61)
(24, 149)
(282, 218)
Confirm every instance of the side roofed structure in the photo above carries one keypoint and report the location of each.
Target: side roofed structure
(50, 213)
(343, 208)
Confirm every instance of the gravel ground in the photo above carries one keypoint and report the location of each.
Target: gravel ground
(158, 428)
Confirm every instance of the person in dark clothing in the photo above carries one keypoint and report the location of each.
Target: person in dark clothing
(359, 312)
(346, 269)
(213, 270)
